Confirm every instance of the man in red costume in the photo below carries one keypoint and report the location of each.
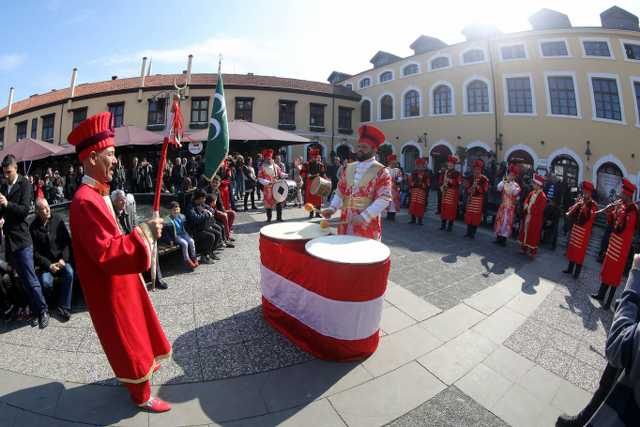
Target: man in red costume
(532, 218)
(364, 189)
(449, 181)
(623, 217)
(396, 180)
(476, 190)
(310, 170)
(110, 264)
(582, 214)
(267, 176)
(419, 183)
(507, 211)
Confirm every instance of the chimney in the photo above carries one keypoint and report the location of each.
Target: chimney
(188, 82)
(114, 77)
(149, 67)
(10, 105)
(72, 87)
(142, 69)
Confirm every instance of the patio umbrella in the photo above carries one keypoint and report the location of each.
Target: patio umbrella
(125, 136)
(28, 149)
(240, 130)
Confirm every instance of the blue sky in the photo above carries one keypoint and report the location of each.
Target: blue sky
(43, 40)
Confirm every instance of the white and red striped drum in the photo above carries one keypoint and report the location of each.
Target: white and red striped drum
(328, 301)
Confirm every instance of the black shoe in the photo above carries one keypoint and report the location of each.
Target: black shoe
(33, 321)
(161, 284)
(443, 225)
(63, 314)
(230, 245)
(214, 257)
(569, 421)
(413, 220)
(43, 319)
(577, 271)
(420, 221)
(601, 293)
(206, 260)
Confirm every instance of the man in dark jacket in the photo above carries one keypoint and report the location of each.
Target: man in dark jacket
(202, 221)
(51, 253)
(16, 195)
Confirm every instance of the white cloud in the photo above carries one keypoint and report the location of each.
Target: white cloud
(10, 62)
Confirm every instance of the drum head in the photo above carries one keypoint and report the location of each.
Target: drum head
(280, 191)
(348, 249)
(294, 231)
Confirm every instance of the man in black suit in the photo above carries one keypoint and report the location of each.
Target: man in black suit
(52, 253)
(16, 196)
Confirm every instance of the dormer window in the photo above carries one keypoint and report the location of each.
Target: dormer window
(440, 62)
(410, 69)
(386, 76)
(366, 82)
(473, 56)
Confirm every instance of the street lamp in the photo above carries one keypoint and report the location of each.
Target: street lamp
(587, 152)
(424, 139)
(498, 144)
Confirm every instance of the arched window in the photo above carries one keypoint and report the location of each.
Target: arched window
(442, 100)
(365, 111)
(386, 107)
(412, 104)
(410, 69)
(474, 55)
(477, 97)
(410, 154)
(609, 182)
(567, 169)
(386, 76)
(366, 82)
(439, 155)
(440, 62)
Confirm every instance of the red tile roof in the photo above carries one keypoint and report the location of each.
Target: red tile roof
(164, 80)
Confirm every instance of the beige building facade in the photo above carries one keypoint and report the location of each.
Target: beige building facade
(561, 99)
(323, 113)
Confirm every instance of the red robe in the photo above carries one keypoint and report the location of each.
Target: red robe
(531, 223)
(267, 178)
(475, 200)
(583, 215)
(450, 194)
(623, 220)
(419, 183)
(309, 171)
(109, 264)
(396, 180)
(225, 186)
(507, 211)
(374, 184)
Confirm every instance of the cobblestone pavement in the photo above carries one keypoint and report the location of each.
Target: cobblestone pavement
(473, 334)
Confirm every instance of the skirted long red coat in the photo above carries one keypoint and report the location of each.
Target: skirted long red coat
(109, 264)
(451, 179)
(309, 171)
(419, 183)
(475, 200)
(532, 220)
(623, 219)
(582, 213)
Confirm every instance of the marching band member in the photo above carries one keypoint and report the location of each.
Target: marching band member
(449, 181)
(531, 222)
(110, 264)
(623, 216)
(419, 183)
(364, 189)
(582, 214)
(310, 170)
(507, 211)
(475, 199)
(396, 180)
(268, 175)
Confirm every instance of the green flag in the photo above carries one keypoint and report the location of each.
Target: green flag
(218, 141)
